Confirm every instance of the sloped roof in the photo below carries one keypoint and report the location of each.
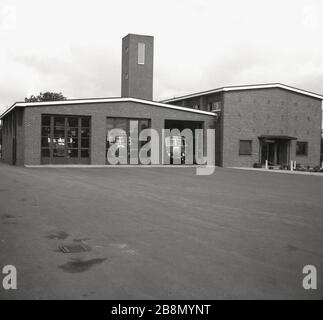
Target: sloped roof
(101, 100)
(246, 87)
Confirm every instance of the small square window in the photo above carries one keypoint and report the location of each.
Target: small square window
(85, 132)
(45, 153)
(85, 122)
(84, 143)
(216, 105)
(245, 147)
(72, 153)
(45, 120)
(72, 122)
(45, 131)
(45, 142)
(85, 153)
(59, 121)
(301, 148)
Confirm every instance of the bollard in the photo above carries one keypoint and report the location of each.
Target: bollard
(266, 164)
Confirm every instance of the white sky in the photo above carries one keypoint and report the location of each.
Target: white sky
(75, 46)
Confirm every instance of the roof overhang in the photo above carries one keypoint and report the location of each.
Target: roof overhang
(246, 87)
(103, 100)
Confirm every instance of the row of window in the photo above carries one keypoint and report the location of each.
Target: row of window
(212, 106)
(245, 148)
(69, 136)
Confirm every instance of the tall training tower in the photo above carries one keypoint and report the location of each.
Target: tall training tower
(137, 66)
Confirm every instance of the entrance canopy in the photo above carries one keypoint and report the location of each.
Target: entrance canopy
(276, 137)
(275, 149)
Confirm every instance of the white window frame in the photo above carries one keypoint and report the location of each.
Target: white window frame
(141, 52)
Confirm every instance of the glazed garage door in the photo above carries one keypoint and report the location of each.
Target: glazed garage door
(65, 139)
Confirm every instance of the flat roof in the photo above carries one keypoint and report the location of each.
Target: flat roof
(246, 87)
(102, 100)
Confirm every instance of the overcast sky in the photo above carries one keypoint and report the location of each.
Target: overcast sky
(75, 46)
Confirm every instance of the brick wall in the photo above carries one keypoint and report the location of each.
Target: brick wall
(139, 83)
(7, 135)
(13, 128)
(248, 114)
(202, 102)
(98, 113)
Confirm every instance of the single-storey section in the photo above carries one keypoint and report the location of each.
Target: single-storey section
(75, 131)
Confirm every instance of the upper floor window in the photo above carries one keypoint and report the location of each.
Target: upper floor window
(141, 53)
(216, 105)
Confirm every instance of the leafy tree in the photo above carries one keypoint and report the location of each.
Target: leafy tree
(46, 96)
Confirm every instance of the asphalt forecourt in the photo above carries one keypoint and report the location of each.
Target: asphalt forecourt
(159, 233)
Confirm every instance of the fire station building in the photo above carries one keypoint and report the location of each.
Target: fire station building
(272, 122)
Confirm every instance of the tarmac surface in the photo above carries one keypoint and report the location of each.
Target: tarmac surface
(159, 233)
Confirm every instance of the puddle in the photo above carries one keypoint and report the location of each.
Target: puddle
(9, 222)
(58, 235)
(81, 239)
(1, 190)
(8, 216)
(291, 248)
(79, 265)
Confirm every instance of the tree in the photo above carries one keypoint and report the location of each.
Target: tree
(46, 96)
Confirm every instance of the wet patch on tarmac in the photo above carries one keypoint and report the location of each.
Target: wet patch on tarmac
(2, 190)
(7, 216)
(78, 265)
(81, 239)
(60, 235)
(291, 247)
(10, 222)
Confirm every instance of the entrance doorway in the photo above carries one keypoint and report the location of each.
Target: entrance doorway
(275, 149)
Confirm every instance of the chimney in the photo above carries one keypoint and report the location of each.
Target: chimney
(137, 66)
